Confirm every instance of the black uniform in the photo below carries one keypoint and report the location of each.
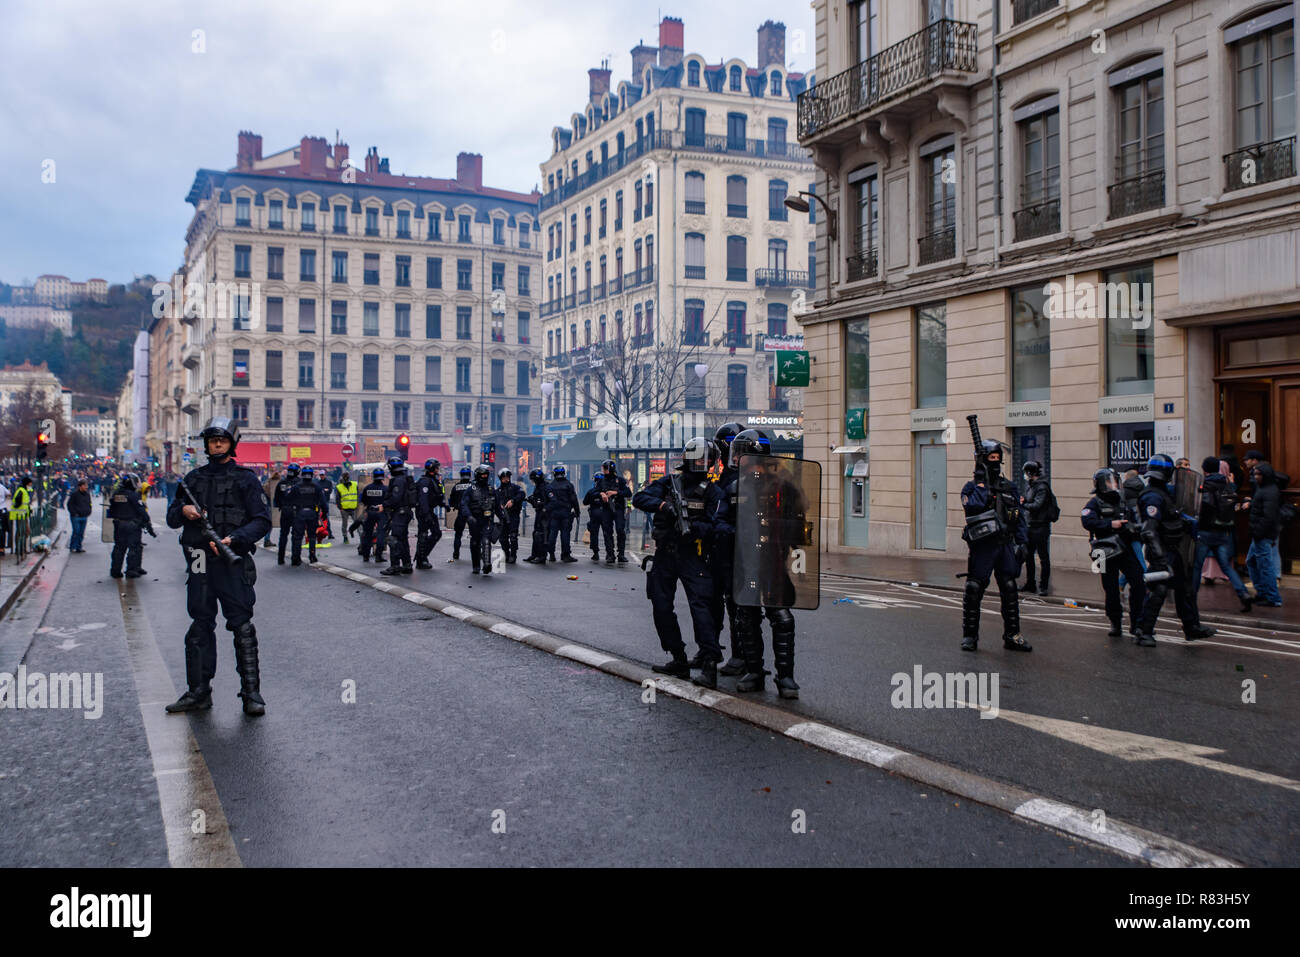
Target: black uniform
(304, 501)
(601, 515)
(722, 549)
(1037, 509)
(462, 517)
(479, 506)
(429, 498)
(237, 507)
(998, 554)
(1096, 517)
(130, 518)
(538, 501)
(286, 513)
(510, 499)
(374, 527)
(677, 558)
(620, 503)
(1163, 528)
(561, 509)
(399, 503)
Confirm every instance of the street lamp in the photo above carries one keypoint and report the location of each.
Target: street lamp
(799, 203)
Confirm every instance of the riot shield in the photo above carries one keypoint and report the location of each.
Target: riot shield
(105, 525)
(1186, 489)
(778, 504)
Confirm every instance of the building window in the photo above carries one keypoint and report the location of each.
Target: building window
(275, 214)
(306, 414)
(243, 317)
(309, 217)
(340, 219)
(433, 272)
(435, 226)
(370, 372)
(1130, 345)
(370, 318)
(499, 276)
(370, 273)
(932, 356)
(462, 234)
(523, 325)
(306, 370)
(618, 210)
(736, 131)
(857, 378)
(498, 327)
(274, 262)
(402, 320)
(306, 315)
(403, 224)
(736, 268)
(239, 375)
(695, 195)
(242, 211)
(498, 377)
(522, 418)
(693, 323)
(271, 413)
(1040, 188)
(432, 322)
(735, 326)
(463, 322)
(462, 374)
(339, 317)
(649, 197)
(403, 276)
(735, 79)
(338, 413)
(370, 416)
(522, 377)
(433, 373)
(638, 191)
(776, 193)
(274, 369)
(695, 120)
(586, 236)
(243, 262)
(696, 389)
(497, 418)
(1140, 136)
(372, 221)
(939, 206)
(737, 387)
(338, 370)
(339, 271)
(737, 204)
(693, 73)
(525, 236)
(433, 416)
(401, 415)
(463, 410)
(464, 274)
(306, 265)
(573, 233)
(777, 317)
(776, 261)
(1265, 103)
(274, 314)
(1031, 374)
(694, 255)
(522, 280)
(776, 83)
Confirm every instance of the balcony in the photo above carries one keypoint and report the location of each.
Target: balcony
(570, 300)
(1261, 163)
(616, 285)
(737, 340)
(598, 291)
(695, 337)
(739, 146)
(190, 402)
(1038, 219)
(694, 272)
(190, 355)
(643, 341)
(640, 277)
(1022, 10)
(863, 261)
(782, 278)
(557, 362)
(938, 246)
(584, 297)
(737, 274)
(737, 210)
(695, 207)
(909, 72)
(1137, 194)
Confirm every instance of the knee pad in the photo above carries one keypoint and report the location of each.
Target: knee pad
(975, 590)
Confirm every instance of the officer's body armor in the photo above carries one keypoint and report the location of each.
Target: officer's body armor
(219, 494)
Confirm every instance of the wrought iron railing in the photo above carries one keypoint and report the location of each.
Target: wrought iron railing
(782, 277)
(1022, 10)
(943, 45)
(695, 337)
(863, 260)
(1261, 163)
(938, 246)
(1038, 219)
(1137, 194)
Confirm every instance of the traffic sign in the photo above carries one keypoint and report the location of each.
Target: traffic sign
(349, 451)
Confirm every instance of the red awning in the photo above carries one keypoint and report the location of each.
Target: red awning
(267, 454)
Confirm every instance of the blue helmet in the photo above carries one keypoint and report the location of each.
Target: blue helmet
(396, 464)
(431, 465)
(559, 471)
(291, 468)
(377, 473)
(1160, 467)
(307, 472)
(466, 472)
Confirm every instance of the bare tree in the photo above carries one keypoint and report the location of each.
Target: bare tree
(19, 424)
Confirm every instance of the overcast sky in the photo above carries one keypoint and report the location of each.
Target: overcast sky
(116, 96)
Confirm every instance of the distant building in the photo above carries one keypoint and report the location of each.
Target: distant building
(36, 316)
(14, 381)
(61, 291)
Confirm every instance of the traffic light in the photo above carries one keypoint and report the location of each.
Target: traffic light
(489, 453)
(42, 443)
(404, 446)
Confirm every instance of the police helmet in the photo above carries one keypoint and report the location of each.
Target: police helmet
(431, 465)
(559, 471)
(748, 442)
(1033, 468)
(697, 455)
(722, 438)
(128, 482)
(292, 468)
(537, 475)
(224, 427)
(482, 473)
(377, 473)
(504, 475)
(396, 464)
(1105, 480)
(1160, 468)
(609, 465)
(307, 471)
(465, 472)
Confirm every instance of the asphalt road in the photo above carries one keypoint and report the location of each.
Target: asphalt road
(462, 747)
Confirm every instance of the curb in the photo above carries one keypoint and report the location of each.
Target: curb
(31, 573)
(1135, 843)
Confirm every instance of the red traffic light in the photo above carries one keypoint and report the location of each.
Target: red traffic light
(43, 437)
(403, 445)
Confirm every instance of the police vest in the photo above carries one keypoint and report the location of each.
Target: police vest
(220, 495)
(305, 495)
(121, 507)
(347, 496)
(373, 494)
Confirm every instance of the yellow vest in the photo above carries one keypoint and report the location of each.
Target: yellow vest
(347, 496)
(22, 503)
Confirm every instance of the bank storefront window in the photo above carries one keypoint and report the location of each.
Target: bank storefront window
(1031, 373)
(856, 378)
(932, 356)
(1127, 301)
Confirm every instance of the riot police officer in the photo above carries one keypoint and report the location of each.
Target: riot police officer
(1164, 533)
(428, 491)
(620, 500)
(600, 510)
(561, 509)
(304, 500)
(374, 527)
(399, 503)
(479, 504)
(235, 507)
(462, 517)
(510, 499)
(723, 551)
(281, 502)
(683, 504)
(537, 499)
(129, 516)
(1110, 538)
(997, 537)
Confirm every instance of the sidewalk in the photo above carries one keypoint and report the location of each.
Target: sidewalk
(1217, 603)
(14, 576)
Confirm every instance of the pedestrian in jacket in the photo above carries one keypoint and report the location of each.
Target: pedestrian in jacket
(79, 509)
(1214, 526)
(1265, 528)
(1038, 501)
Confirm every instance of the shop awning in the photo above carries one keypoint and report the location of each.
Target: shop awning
(266, 454)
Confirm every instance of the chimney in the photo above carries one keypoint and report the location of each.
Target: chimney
(598, 84)
(469, 170)
(249, 150)
(642, 57)
(312, 151)
(771, 45)
(340, 155)
(372, 160)
(672, 38)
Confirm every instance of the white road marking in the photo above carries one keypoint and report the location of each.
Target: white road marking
(455, 611)
(587, 656)
(1135, 842)
(511, 630)
(842, 742)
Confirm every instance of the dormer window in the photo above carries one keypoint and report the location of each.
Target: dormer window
(693, 73)
(647, 81)
(776, 83)
(735, 79)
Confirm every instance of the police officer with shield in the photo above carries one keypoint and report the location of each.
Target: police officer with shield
(537, 499)
(510, 499)
(998, 537)
(399, 503)
(462, 517)
(222, 512)
(1110, 539)
(129, 517)
(374, 527)
(428, 492)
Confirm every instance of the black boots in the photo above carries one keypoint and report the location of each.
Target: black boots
(423, 565)
(735, 665)
(391, 570)
(677, 668)
(708, 676)
(1143, 639)
(970, 614)
(783, 652)
(196, 699)
(246, 665)
(1016, 642)
(1198, 631)
(1116, 629)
